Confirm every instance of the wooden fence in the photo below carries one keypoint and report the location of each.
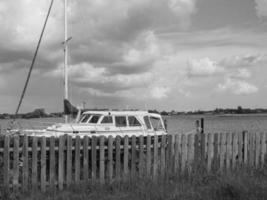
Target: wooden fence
(50, 163)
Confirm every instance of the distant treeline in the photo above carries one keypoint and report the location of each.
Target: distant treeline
(37, 113)
(238, 110)
(40, 112)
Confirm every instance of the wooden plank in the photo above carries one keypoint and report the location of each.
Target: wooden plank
(191, 145)
(110, 158)
(177, 152)
(102, 160)
(169, 159)
(197, 149)
(34, 162)
(93, 158)
(240, 149)
(262, 149)
(61, 162)
(265, 156)
(222, 151)
(203, 147)
(69, 161)
(85, 158)
(52, 164)
(16, 162)
(148, 156)
(216, 155)
(257, 150)
(229, 151)
(184, 152)
(133, 157)
(235, 150)
(210, 150)
(25, 168)
(162, 155)
(141, 156)
(172, 154)
(245, 138)
(251, 149)
(118, 157)
(43, 164)
(77, 160)
(155, 157)
(6, 161)
(126, 158)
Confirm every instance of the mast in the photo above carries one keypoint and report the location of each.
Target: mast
(66, 93)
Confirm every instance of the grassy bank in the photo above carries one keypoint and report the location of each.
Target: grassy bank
(239, 185)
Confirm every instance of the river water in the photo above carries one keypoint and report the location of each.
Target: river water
(181, 123)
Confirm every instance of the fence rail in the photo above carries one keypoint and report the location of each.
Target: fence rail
(55, 163)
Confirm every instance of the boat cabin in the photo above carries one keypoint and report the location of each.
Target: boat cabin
(113, 123)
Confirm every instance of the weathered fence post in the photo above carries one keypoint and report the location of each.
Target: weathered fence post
(118, 158)
(228, 150)
(43, 164)
(141, 156)
(25, 169)
(16, 162)
(126, 158)
(77, 159)
(85, 158)
(235, 150)
(34, 163)
(148, 156)
(263, 149)
(210, 151)
(102, 160)
(177, 153)
(6, 161)
(133, 157)
(184, 153)
(155, 157)
(162, 156)
(216, 152)
(93, 157)
(52, 163)
(69, 160)
(110, 158)
(61, 162)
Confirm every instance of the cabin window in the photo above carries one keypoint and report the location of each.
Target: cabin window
(107, 120)
(94, 119)
(85, 118)
(133, 121)
(156, 123)
(146, 119)
(120, 121)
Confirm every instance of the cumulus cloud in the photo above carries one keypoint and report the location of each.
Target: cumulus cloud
(114, 45)
(241, 73)
(261, 8)
(237, 87)
(183, 9)
(203, 67)
(247, 60)
(95, 79)
(159, 92)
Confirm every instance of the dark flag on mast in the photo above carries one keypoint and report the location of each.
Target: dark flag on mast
(69, 109)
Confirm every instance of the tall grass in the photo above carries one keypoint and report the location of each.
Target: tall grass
(242, 184)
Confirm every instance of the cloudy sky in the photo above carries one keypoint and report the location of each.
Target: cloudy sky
(145, 54)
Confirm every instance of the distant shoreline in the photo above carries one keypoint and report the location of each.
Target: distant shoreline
(239, 111)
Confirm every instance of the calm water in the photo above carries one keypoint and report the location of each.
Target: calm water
(218, 123)
(183, 124)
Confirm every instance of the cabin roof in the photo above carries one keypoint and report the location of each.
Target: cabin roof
(140, 113)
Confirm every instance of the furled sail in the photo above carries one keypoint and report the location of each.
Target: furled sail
(69, 109)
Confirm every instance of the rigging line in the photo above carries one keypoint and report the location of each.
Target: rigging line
(33, 61)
